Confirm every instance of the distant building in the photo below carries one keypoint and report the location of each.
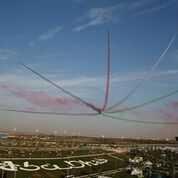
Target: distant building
(3, 136)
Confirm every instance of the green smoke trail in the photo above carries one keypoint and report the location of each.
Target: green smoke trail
(138, 121)
(145, 103)
(147, 74)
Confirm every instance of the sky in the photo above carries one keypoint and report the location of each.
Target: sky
(66, 42)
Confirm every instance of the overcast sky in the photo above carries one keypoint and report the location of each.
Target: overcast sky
(66, 41)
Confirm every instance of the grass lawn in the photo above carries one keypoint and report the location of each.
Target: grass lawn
(113, 163)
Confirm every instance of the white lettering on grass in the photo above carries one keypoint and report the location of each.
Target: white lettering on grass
(28, 167)
(73, 164)
(46, 167)
(8, 166)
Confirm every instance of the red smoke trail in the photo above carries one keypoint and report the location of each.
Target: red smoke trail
(32, 98)
(90, 105)
(170, 111)
(174, 105)
(108, 76)
(44, 99)
(40, 98)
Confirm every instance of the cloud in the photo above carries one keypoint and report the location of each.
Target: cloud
(47, 56)
(137, 4)
(6, 54)
(113, 14)
(47, 35)
(166, 72)
(80, 1)
(173, 55)
(32, 43)
(141, 74)
(84, 81)
(154, 9)
(98, 16)
(38, 91)
(18, 35)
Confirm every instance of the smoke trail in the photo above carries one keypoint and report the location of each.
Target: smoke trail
(98, 110)
(139, 121)
(49, 113)
(169, 112)
(40, 98)
(174, 105)
(146, 76)
(145, 103)
(108, 76)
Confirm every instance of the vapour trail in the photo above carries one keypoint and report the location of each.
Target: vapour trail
(98, 110)
(139, 121)
(145, 103)
(49, 113)
(146, 75)
(108, 75)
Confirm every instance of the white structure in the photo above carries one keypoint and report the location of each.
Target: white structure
(148, 164)
(136, 172)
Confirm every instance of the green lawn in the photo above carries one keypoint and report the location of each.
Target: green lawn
(113, 163)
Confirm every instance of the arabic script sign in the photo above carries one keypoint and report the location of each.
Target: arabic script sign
(73, 164)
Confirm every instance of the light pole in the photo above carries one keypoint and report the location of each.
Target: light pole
(55, 139)
(103, 139)
(65, 132)
(55, 133)
(122, 139)
(14, 130)
(37, 131)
